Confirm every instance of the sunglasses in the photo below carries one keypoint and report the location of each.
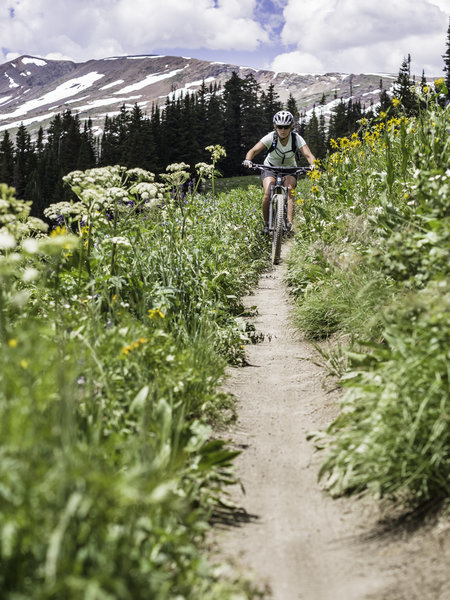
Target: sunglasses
(283, 126)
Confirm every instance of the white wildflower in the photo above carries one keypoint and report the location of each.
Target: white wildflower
(30, 245)
(121, 241)
(30, 274)
(7, 240)
(177, 167)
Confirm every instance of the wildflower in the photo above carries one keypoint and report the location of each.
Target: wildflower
(314, 175)
(205, 170)
(395, 102)
(133, 346)
(120, 241)
(174, 167)
(216, 152)
(12, 343)
(155, 314)
(24, 364)
(7, 240)
(30, 274)
(58, 231)
(138, 174)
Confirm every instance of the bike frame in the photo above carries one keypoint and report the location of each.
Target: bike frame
(279, 191)
(279, 187)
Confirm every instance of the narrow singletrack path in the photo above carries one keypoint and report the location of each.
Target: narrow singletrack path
(295, 538)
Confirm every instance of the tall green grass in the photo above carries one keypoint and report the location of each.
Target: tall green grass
(370, 272)
(115, 330)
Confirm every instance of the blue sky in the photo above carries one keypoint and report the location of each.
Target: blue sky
(305, 36)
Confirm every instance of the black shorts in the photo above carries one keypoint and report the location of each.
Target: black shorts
(269, 173)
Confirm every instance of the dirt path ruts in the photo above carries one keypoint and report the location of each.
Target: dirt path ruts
(297, 539)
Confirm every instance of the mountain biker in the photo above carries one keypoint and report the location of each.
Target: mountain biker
(282, 152)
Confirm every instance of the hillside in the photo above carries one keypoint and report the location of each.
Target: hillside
(33, 90)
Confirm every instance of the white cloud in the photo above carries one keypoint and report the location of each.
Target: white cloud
(309, 35)
(98, 28)
(360, 35)
(299, 62)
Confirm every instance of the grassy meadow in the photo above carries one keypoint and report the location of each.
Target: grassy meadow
(117, 323)
(115, 330)
(370, 274)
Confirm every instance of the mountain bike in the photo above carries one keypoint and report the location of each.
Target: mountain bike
(278, 204)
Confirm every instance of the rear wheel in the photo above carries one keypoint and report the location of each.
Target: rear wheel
(278, 217)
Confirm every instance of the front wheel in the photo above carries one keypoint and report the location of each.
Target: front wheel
(278, 218)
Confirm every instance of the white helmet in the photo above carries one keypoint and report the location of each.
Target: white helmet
(283, 117)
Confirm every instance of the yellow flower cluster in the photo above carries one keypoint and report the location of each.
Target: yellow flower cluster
(155, 314)
(133, 346)
(58, 231)
(314, 175)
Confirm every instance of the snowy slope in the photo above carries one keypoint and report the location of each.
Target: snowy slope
(33, 90)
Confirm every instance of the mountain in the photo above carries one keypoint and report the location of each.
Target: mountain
(34, 90)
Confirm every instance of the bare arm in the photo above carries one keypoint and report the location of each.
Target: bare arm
(308, 154)
(254, 151)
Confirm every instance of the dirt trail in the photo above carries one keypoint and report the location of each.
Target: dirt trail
(296, 539)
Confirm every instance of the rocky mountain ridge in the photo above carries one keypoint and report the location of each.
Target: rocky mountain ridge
(34, 90)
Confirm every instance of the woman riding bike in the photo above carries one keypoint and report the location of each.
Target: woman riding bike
(282, 152)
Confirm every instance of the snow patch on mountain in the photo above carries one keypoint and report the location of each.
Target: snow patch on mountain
(178, 93)
(30, 121)
(27, 60)
(65, 90)
(113, 84)
(12, 83)
(149, 80)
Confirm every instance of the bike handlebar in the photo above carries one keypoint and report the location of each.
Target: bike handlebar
(284, 170)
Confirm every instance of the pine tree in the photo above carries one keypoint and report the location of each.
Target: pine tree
(404, 88)
(215, 130)
(272, 104)
(312, 134)
(233, 99)
(338, 126)
(252, 115)
(23, 161)
(7, 160)
(201, 122)
(35, 183)
(292, 107)
(86, 154)
(138, 148)
(446, 58)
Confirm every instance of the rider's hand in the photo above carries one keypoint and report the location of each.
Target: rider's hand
(248, 164)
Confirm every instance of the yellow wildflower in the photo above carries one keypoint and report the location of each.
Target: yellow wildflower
(155, 314)
(58, 231)
(12, 343)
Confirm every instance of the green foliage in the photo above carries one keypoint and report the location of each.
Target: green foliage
(115, 332)
(393, 436)
(370, 272)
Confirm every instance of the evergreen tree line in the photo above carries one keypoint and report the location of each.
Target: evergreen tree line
(235, 117)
